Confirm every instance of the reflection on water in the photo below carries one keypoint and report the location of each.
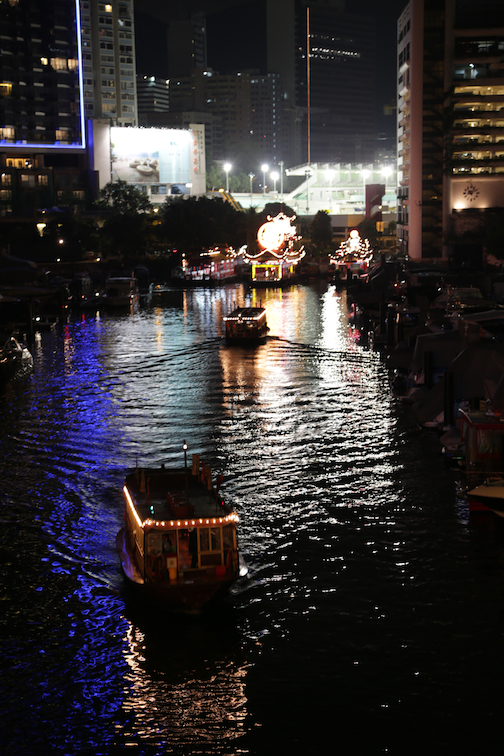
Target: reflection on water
(372, 596)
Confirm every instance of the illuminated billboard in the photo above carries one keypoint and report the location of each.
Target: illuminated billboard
(151, 155)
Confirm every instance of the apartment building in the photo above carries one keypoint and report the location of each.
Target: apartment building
(450, 128)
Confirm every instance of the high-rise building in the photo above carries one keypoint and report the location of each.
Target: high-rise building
(450, 126)
(42, 122)
(108, 51)
(248, 107)
(152, 96)
(325, 58)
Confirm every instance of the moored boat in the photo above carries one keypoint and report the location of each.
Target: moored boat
(246, 325)
(179, 541)
(487, 496)
(121, 292)
(15, 360)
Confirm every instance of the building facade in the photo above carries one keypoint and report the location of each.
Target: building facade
(325, 58)
(42, 119)
(152, 96)
(450, 131)
(108, 52)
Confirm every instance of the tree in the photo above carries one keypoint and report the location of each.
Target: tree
(127, 224)
(321, 231)
(195, 223)
(123, 198)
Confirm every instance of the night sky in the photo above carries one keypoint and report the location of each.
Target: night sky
(228, 51)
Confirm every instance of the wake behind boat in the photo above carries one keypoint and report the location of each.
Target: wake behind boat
(179, 542)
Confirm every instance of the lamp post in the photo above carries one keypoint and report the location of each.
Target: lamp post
(184, 447)
(386, 171)
(274, 176)
(365, 173)
(227, 168)
(281, 164)
(251, 177)
(330, 176)
(264, 168)
(307, 177)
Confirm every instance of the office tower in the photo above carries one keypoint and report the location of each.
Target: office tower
(247, 113)
(152, 97)
(328, 96)
(325, 57)
(450, 94)
(108, 52)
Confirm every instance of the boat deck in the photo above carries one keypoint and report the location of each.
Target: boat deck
(165, 498)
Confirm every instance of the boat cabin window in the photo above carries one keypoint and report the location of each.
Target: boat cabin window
(210, 539)
(210, 546)
(159, 543)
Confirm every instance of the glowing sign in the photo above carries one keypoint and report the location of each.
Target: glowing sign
(278, 238)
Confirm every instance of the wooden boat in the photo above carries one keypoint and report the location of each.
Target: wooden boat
(246, 325)
(488, 496)
(483, 436)
(179, 542)
(121, 292)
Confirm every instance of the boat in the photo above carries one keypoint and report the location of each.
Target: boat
(489, 496)
(16, 361)
(483, 435)
(246, 325)
(121, 291)
(178, 545)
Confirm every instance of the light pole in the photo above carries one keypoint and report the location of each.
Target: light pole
(227, 168)
(330, 176)
(251, 177)
(307, 177)
(264, 168)
(386, 171)
(365, 173)
(281, 164)
(274, 176)
(184, 447)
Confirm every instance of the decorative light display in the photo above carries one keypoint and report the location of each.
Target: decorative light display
(278, 241)
(353, 250)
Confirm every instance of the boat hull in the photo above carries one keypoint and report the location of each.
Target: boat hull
(487, 498)
(189, 596)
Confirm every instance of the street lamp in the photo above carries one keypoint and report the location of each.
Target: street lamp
(307, 177)
(274, 176)
(184, 447)
(281, 164)
(365, 173)
(227, 168)
(251, 177)
(330, 175)
(264, 168)
(386, 171)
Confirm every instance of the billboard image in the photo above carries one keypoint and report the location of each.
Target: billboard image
(151, 155)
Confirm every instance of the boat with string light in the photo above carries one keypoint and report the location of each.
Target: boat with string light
(179, 541)
(246, 325)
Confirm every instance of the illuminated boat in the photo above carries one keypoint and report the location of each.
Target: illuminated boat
(179, 541)
(246, 325)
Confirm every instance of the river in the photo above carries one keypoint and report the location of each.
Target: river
(371, 621)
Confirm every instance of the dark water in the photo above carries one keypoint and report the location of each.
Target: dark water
(372, 619)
